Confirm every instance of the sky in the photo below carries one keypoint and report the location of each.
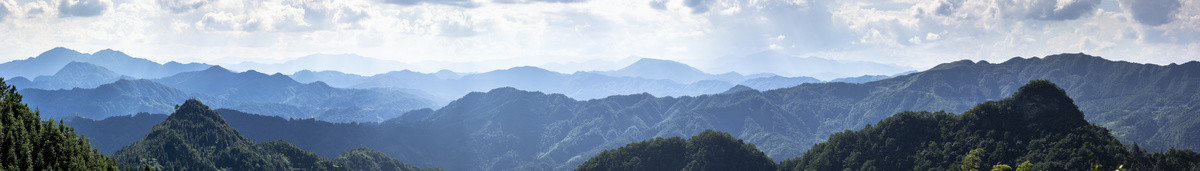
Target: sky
(503, 33)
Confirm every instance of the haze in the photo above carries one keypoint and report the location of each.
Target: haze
(478, 36)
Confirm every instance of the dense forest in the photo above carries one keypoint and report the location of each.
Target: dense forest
(29, 143)
(1039, 127)
(710, 150)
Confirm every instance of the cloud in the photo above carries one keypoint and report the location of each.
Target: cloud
(548, 1)
(1031, 9)
(1069, 11)
(180, 6)
(4, 9)
(458, 3)
(38, 8)
(530, 32)
(698, 6)
(83, 8)
(289, 16)
(658, 4)
(228, 21)
(1151, 12)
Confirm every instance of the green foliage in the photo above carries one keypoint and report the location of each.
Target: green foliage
(1001, 167)
(970, 162)
(29, 143)
(710, 150)
(367, 159)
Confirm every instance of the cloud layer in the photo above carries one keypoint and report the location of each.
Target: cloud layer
(487, 34)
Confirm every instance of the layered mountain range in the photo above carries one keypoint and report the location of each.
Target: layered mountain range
(540, 119)
(328, 95)
(509, 128)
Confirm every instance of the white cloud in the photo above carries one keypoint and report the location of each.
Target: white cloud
(180, 6)
(5, 8)
(83, 8)
(506, 33)
(1151, 12)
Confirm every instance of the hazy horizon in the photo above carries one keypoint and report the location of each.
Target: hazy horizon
(490, 35)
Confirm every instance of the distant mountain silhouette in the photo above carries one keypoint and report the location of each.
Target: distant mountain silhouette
(347, 63)
(582, 85)
(123, 97)
(275, 95)
(861, 79)
(76, 75)
(777, 82)
(261, 93)
(333, 78)
(660, 69)
(49, 62)
(787, 65)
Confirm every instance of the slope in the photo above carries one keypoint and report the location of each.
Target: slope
(76, 75)
(710, 150)
(30, 143)
(1039, 124)
(195, 137)
(122, 97)
(279, 95)
(660, 69)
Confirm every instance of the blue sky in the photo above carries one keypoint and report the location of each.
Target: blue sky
(505, 33)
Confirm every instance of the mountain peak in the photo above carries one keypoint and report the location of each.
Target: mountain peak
(738, 88)
(216, 68)
(59, 52)
(527, 68)
(651, 62)
(955, 64)
(109, 52)
(195, 111)
(1039, 105)
(83, 67)
(651, 68)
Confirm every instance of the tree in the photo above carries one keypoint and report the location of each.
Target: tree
(1001, 167)
(1026, 166)
(970, 162)
(29, 143)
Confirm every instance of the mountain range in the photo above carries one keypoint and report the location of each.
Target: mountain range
(55, 59)
(275, 95)
(537, 120)
(654, 76)
(289, 96)
(1037, 128)
(195, 137)
(73, 75)
(348, 63)
(788, 65)
(508, 128)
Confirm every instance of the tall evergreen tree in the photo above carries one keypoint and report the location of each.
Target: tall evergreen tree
(29, 143)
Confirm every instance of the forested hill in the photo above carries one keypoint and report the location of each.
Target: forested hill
(1038, 127)
(1038, 124)
(29, 143)
(195, 137)
(1149, 104)
(710, 150)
